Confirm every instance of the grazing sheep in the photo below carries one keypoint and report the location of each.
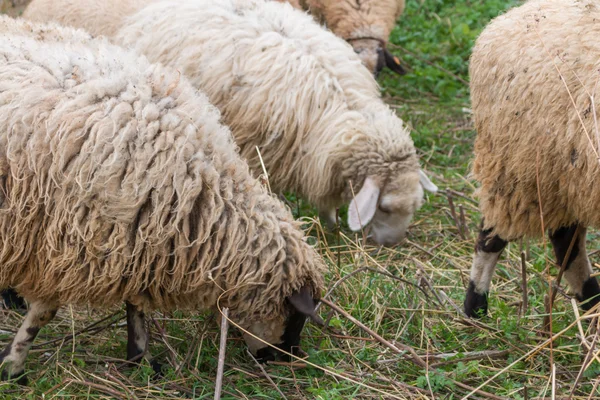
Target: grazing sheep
(293, 90)
(533, 71)
(118, 183)
(366, 25)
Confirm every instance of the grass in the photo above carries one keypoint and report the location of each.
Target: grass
(410, 295)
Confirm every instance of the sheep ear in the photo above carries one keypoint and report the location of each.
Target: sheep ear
(426, 183)
(362, 208)
(393, 63)
(303, 301)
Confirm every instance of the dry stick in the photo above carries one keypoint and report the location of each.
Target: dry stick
(454, 217)
(112, 378)
(590, 348)
(524, 282)
(222, 344)
(163, 336)
(266, 376)
(463, 221)
(398, 348)
(99, 387)
(70, 336)
(468, 356)
(594, 389)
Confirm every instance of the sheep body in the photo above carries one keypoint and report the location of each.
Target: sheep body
(367, 24)
(294, 91)
(526, 121)
(118, 183)
(533, 73)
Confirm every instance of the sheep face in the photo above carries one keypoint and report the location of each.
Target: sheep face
(283, 332)
(375, 56)
(388, 207)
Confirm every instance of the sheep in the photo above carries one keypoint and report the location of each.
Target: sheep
(119, 183)
(294, 91)
(366, 25)
(536, 157)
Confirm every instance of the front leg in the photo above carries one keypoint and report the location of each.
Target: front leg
(487, 251)
(137, 337)
(14, 355)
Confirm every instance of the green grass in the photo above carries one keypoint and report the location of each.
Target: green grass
(415, 305)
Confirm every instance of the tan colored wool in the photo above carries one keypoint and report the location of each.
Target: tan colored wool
(118, 183)
(283, 84)
(357, 22)
(526, 121)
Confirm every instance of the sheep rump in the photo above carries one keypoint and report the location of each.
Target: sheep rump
(526, 121)
(119, 183)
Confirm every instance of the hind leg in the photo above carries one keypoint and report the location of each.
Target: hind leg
(487, 251)
(577, 268)
(14, 355)
(12, 300)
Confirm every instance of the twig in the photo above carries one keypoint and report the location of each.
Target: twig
(524, 283)
(397, 348)
(463, 221)
(222, 344)
(97, 386)
(71, 335)
(267, 376)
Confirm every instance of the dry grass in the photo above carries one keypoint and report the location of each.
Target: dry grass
(409, 339)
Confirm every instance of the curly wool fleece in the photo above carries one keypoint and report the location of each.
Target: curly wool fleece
(119, 183)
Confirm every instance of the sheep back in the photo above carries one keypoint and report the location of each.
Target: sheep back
(96, 17)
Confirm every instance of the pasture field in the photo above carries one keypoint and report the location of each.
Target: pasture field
(410, 296)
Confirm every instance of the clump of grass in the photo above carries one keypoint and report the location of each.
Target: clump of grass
(410, 295)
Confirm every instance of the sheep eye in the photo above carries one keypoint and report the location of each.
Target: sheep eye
(385, 210)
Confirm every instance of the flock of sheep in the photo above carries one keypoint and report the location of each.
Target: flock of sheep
(136, 156)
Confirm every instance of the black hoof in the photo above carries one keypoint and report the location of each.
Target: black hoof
(19, 378)
(13, 301)
(590, 294)
(157, 368)
(476, 305)
(266, 354)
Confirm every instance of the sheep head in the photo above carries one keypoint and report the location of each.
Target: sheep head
(283, 332)
(375, 56)
(388, 207)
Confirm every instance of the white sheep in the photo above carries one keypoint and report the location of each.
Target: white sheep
(291, 89)
(118, 183)
(533, 73)
(365, 24)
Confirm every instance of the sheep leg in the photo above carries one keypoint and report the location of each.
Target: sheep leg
(14, 355)
(137, 336)
(487, 251)
(578, 268)
(12, 300)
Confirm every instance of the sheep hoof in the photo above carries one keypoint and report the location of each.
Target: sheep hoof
(19, 378)
(157, 367)
(476, 304)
